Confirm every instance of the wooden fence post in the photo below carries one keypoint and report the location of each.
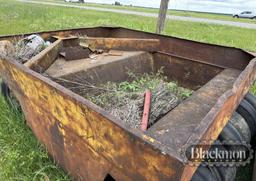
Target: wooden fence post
(162, 16)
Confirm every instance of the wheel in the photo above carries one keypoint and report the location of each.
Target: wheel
(215, 173)
(237, 130)
(9, 97)
(251, 99)
(248, 112)
(230, 133)
(241, 126)
(236, 16)
(226, 173)
(204, 174)
(5, 91)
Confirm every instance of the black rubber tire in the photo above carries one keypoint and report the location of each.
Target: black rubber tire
(215, 173)
(223, 173)
(251, 99)
(9, 97)
(247, 111)
(227, 173)
(230, 133)
(241, 126)
(5, 91)
(203, 174)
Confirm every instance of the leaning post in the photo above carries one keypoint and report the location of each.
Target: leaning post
(162, 16)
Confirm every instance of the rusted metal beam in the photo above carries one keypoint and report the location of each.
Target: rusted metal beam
(128, 44)
(44, 59)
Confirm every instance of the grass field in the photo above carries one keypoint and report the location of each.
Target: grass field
(31, 18)
(170, 12)
(21, 156)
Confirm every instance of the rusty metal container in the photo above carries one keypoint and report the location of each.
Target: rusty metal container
(91, 144)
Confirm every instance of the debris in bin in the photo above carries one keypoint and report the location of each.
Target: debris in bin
(6, 48)
(114, 53)
(93, 56)
(125, 100)
(84, 45)
(96, 51)
(28, 47)
(99, 51)
(75, 53)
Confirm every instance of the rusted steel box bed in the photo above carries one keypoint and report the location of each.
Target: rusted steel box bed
(90, 143)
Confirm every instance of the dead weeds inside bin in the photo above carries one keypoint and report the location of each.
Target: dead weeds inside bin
(125, 100)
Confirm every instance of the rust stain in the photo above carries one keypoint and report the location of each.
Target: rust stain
(127, 44)
(104, 139)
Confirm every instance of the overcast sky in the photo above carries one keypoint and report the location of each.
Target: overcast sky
(219, 6)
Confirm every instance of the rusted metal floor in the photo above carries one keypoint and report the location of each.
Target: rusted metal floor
(61, 67)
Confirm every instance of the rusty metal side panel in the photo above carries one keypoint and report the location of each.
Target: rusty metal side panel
(89, 31)
(209, 129)
(125, 44)
(219, 55)
(215, 54)
(187, 73)
(81, 137)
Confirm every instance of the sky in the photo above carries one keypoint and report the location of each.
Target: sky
(217, 6)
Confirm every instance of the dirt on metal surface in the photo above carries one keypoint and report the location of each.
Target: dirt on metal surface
(63, 68)
(89, 142)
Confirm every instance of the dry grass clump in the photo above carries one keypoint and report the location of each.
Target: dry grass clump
(125, 100)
